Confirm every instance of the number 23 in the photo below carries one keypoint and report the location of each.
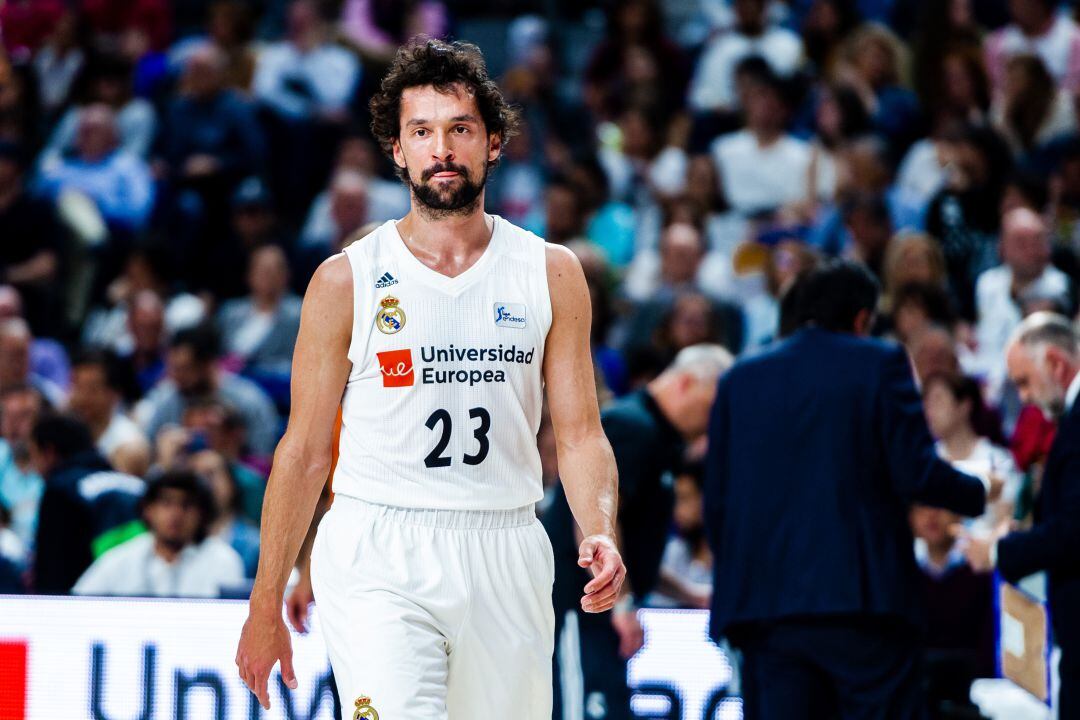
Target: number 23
(435, 458)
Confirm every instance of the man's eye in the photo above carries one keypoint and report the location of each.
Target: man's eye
(421, 132)
(461, 129)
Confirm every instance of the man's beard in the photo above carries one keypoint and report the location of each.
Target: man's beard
(461, 200)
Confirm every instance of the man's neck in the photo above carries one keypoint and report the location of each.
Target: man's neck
(449, 238)
(960, 443)
(938, 554)
(667, 408)
(266, 303)
(168, 552)
(766, 136)
(1041, 29)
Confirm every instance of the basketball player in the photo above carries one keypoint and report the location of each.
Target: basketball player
(437, 334)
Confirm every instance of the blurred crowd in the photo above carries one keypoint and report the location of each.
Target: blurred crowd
(171, 173)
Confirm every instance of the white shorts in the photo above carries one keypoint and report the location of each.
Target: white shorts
(436, 614)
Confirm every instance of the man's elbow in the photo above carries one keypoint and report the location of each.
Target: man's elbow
(303, 458)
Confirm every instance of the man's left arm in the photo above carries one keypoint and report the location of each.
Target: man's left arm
(586, 462)
(1053, 543)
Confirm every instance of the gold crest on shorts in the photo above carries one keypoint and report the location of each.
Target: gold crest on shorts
(364, 711)
(390, 318)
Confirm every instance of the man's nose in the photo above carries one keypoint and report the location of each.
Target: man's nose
(443, 152)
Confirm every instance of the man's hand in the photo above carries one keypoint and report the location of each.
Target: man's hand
(628, 628)
(599, 554)
(298, 602)
(263, 642)
(977, 546)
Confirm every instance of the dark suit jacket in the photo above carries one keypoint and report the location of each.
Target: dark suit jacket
(817, 447)
(1053, 544)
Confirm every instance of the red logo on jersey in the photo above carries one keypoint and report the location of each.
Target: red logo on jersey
(397, 368)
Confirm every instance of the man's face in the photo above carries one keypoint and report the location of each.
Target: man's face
(91, 399)
(697, 398)
(269, 273)
(943, 412)
(173, 518)
(191, 376)
(932, 525)
(210, 465)
(444, 148)
(1026, 249)
(18, 413)
(14, 358)
(1034, 381)
(681, 252)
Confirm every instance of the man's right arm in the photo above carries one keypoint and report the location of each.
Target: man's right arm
(917, 473)
(320, 370)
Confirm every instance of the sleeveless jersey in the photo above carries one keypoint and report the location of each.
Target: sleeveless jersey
(443, 403)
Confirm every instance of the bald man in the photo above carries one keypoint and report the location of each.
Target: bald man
(1024, 281)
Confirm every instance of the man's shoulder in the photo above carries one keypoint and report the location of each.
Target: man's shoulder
(792, 352)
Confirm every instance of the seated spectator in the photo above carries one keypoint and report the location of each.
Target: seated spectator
(229, 28)
(115, 19)
(839, 116)
(211, 139)
(177, 557)
(86, 509)
(955, 414)
(635, 62)
(964, 215)
(933, 351)
(1024, 276)
(230, 525)
(1031, 111)
(48, 358)
(384, 199)
(304, 76)
(219, 427)
(674, 267)
(15, 368)
(379, 29)
(33, 240)
(97, 389)
(667, 325)
(147, 269)
(873, 66)
(346, 212)
(686, 569)
(910, 258)
(108, 82)
(1036, 28)
(869, 228)
(959, 613)
(761, 167)
(191, 373)
(118, 182)
(20, 484)
(145, 322)
(259, 331)
(713, 86)
(59, 63)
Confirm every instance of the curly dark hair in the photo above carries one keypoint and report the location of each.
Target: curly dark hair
(443, 65)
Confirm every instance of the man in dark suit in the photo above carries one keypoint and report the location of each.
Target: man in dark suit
(1043, 359)
(817, 447)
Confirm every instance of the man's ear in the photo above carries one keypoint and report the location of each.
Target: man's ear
(399, 156)
(495, 143)
(862, 322)
(1057, 361)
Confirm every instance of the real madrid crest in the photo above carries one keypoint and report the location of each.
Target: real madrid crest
(364, 711)
(390, 318)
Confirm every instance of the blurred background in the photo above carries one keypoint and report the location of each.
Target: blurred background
(172, 171)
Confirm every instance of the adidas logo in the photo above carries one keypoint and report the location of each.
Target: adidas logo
(385, 281)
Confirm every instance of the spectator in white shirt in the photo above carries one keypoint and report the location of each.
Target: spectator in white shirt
(304, 76)
(1024, 278)
(176, 558)
(95, 398)
(955, 414)
(762, 167)
(1037, 28)
(713, 86)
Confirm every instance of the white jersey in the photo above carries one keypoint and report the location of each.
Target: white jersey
(443, 403)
